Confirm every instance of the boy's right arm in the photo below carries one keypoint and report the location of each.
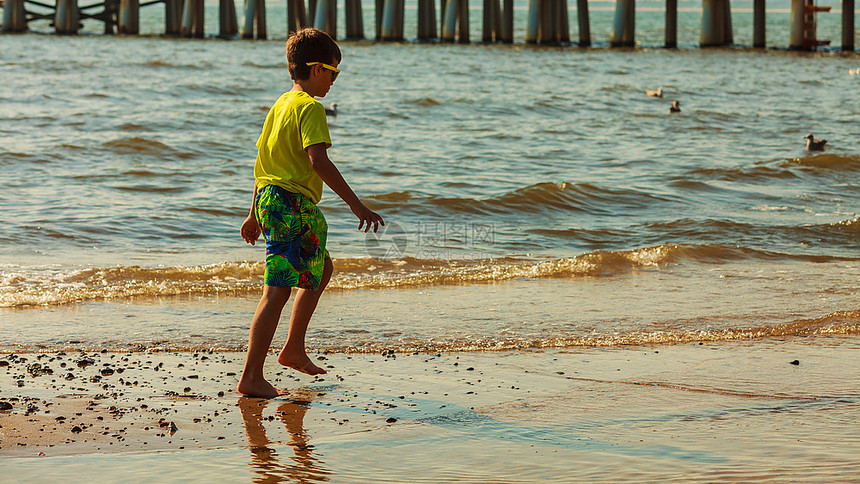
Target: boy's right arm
(250, 227)
(329, 173)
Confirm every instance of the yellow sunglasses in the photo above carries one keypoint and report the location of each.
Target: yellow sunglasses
(335, 71)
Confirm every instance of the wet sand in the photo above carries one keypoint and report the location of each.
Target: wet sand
(782, 409)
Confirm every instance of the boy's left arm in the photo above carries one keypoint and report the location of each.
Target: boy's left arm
(329, 173)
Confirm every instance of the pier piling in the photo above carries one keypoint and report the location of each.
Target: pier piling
(192, 19)
(173, 17)
(456, 18)
(228, 25)
(297, 19)
(547, 26)
(563, 27)
(354, 21)
(325, 17)
(848, 25)
(67, 17)
(392, 20)
(716, 28)
(14, 16)
(547, 22)
(533, 22)
(671, 24)
(492, 23)
(427, 20)
(584, 23)
(463, 22)
(507, 22)
(129, 17)
(796, 26)
(624, 26)
(255, 20)
(759, 27)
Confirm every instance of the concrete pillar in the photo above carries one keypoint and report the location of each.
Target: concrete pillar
(427, 19)
(548, 14)
(507, 22)
(533, 22)
(796, 25)
(488, 26)
(624, 26)
(14, 18)
(325, 17)
(67, 17)
(296, 17)
(380, 10)
(759, 24)
(563, 27)
(192, 19)
(449, 22)
(671, 24)
(728, 38)
(228, 26)
(173, 17)
(463, 21)
(109, 16)
(584, 23)
(392, 18)
(848, 25)
(255, 20)
(713, 24)
(129, 17)
(354, 20)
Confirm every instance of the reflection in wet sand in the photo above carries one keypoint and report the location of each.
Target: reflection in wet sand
(265, 461)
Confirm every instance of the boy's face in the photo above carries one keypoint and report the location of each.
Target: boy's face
(321, 79)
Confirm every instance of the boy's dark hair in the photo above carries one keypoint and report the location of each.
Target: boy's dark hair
(309, 45)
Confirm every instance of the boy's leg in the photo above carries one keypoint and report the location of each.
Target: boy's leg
(293, 354)
(263, 326)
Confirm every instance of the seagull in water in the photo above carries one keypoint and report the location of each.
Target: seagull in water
(813, 145)
(332, 111)
(657, 93)
(675, 107)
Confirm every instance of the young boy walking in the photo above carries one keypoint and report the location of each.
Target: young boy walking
(292, 164)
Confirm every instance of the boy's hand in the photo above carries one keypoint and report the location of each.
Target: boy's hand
(250, 229)
(367, 217)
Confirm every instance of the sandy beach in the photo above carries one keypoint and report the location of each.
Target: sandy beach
(782, 410)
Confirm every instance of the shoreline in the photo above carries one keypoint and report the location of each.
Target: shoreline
(684, 410)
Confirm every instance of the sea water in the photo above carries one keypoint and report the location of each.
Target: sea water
(534, 196)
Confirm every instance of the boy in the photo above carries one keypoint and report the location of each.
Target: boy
(291, 166)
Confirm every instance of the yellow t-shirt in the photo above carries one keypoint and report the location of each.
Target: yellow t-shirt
(296, 121)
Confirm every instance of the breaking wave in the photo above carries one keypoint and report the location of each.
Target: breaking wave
(21, 288)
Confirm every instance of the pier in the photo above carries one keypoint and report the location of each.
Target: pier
(547, 21)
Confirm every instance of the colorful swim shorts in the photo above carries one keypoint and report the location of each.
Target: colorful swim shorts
(295, 232)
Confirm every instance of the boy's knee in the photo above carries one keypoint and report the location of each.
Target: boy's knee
(277, 294)
(328, 270)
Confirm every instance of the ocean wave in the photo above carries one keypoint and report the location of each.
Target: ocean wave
(815, 165)
(144, 146)
(843, 235)
(829, 161)
(567, 197)
(27, 289)
(834, 324)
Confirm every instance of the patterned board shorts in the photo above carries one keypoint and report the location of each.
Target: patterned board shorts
(295, 232)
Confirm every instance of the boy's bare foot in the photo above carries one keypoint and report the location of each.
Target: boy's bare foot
(300, 363)
(259, 389)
